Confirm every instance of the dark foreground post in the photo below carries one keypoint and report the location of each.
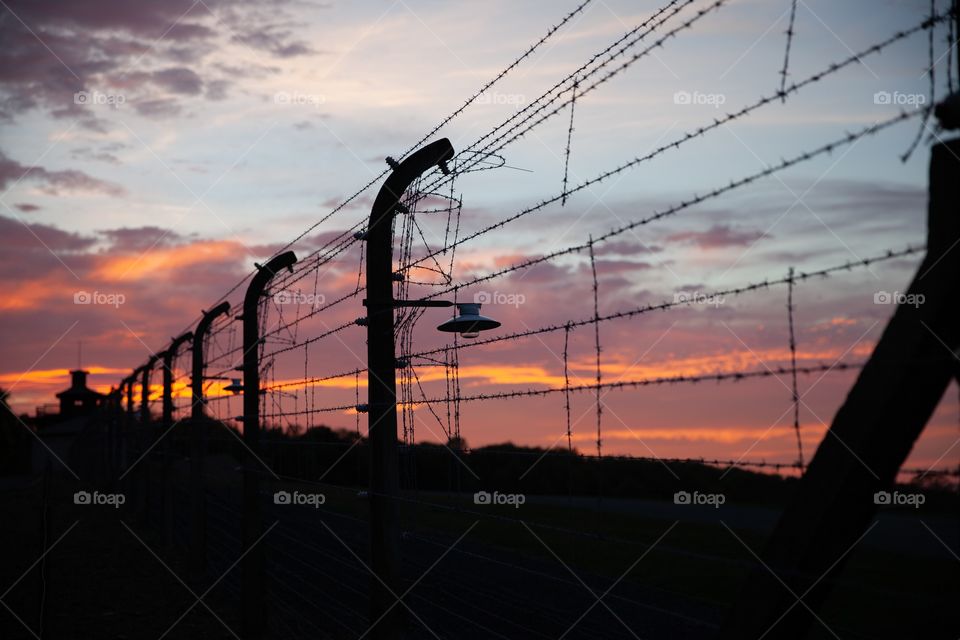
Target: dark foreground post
(254, 561)
(385, 612)
(871, 436)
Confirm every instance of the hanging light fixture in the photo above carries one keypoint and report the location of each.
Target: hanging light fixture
(468, 322)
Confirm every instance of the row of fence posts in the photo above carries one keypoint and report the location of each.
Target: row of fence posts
(131, 436)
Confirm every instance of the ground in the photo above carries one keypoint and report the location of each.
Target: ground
(98, 580)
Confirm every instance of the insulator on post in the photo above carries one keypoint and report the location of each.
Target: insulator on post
(401, 208)
(360, 235)
(360, 322)
(398, 276)
(402, 363)
(362, 408)
(392, 163)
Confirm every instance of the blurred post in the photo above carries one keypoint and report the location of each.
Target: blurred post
(872, 434)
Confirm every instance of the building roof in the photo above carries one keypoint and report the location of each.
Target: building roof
(78, 389)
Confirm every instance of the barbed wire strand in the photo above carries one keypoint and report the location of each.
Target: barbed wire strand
(457, 112)
(566, 385)
(677, 301)
(831, 69)
(786, 53)
(931, 71)
(673, 210)
(793, 368)
(566, 157)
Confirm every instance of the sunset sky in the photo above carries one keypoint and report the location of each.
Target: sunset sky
(152, 152)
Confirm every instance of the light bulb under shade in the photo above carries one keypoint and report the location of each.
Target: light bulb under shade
(468, 321)
(235, 387)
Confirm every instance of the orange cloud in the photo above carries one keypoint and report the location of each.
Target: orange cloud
(480, 374)
(59, 377)
(706, 434)
(33, 294)
(722, 435)
(161, 259)
(737, 360)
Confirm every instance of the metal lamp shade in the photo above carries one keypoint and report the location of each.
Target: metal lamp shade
(468, 321)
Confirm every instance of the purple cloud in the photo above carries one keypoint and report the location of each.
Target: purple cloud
(717, 237)
(56, 48)
(273, 40)
(127, 239)
(179, 80)
(12, 172)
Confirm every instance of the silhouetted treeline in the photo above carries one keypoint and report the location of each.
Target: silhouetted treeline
(341, 457)
(512, 468)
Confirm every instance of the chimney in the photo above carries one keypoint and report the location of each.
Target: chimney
(79, 379)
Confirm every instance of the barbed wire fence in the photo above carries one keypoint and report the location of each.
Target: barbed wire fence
(311, 312)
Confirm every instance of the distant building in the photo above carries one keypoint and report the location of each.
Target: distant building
(79, 400)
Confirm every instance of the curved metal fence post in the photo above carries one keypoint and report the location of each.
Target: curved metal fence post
(127, 423)
(137, 440)
(166, 463)
(385, 614)
(145, 371)
(198, 449)
(253, 565)
(168, 357)
(146, 438)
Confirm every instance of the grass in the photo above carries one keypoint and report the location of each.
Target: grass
(878, 594)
